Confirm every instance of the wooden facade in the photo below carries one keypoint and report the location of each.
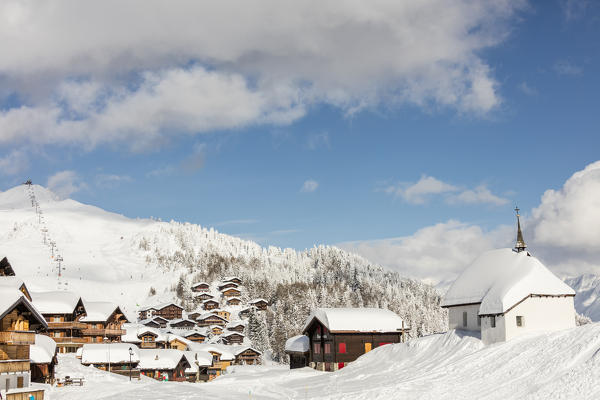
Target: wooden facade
(216, 330)
(234, 301)
(175, 374)
(196, 337)
(96, 331)
(200, 287)
(183, 324)
(212, 319)
(233, 338)
(233, 279)
(67, 329)
(330, 351)
(148, 340)
(210, 305)
(231, 292)
(228, 285)
(167, 311)
(260, 304)
(221, 313)
(249, 356)
(236, 327)
(204, 296)
(177, 344)
(5, 268)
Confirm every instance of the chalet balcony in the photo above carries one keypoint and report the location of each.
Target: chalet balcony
(70, 339)
(148, 345)
(11, 366)
(67, 325)
(102, 332)
(17, 337)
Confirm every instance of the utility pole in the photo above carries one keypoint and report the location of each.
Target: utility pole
(59, 259)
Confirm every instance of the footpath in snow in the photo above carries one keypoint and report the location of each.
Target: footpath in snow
(561, 365)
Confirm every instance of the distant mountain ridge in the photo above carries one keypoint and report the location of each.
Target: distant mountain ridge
(587, 300)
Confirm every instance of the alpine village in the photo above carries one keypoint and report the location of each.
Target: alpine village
(169, 342)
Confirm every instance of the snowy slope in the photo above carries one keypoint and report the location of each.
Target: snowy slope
(561, 365)
(587, 301)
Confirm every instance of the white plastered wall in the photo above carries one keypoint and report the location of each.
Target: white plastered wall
(455, 317)
(541, 314)
(492, 335)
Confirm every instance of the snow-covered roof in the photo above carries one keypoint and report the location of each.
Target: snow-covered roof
(11, 298)
(237, 323)
(194, 332)
(297, 344)
(158, 307)
(254, 301)
(499, 279)
(131, 333)
(204, 359)
(11, 281)
(227, 334)
(239, 350)
(234, 298)
(98, 311)
(160, 358)
(205, 316)
(57, 302)
(43, 350)
(200, 283)
(356, 319)
(179, 320)
(99, 353)
(210, 301)
(229, 288)
(203, 294)
(230, 278)
(223, 350)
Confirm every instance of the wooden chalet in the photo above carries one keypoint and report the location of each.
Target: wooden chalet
(195, 314)
(200, 287)
(230, 338)
(245, 313)
(5, 268)
(221, 360)
(182, 323)
(233, 279)
(200, 362)
(298, 348)
(216, 329)
(104, 322)
(163, 364)
(211, 319)
(63, 311)
(168, 311)
(340, 335)
(234, 301)
(19, 319)
(210, 305)
(237, 326)
(42, 355)
(221, 313)
(195, 336)
(119, 358)
(155, 322)
(227, 286)
(231, 292)
(204, 296)
(248, 356)
(178, 344)
(259, 304)
(148, 339)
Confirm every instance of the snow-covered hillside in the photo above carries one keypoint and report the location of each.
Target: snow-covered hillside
(587, 301)
(137, 262)
(561, 365)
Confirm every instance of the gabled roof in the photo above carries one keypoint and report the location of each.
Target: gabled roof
(356, 320)
(227, 334)
(203, 358)
(200, 283)
(194, 332)
(242, 349)
(237, 323)
(208, 315)
(225, 354)
(15, 283)
(210, 301)
(179, 320)
(11, 298)
(6, 268)
(297, 344)
(259, 300)
(229, 289)
(56, 302)
(501, 278)
(159, 307)
(160, 358)
(99, 311)
(230, 278)
(117, 353)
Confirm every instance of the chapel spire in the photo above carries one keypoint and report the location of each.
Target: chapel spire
(520, 245)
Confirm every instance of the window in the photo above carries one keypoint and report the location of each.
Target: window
(464, 318)
(478, 320)
(493, 321)
(327, 348)
(342, 348)
(520, 320)
(317, 348)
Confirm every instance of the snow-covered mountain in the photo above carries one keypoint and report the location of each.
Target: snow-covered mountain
(587, 300)
(139, 261)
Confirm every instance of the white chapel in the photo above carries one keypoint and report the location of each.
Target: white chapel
(505, 293)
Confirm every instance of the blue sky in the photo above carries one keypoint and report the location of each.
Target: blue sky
(333, 168)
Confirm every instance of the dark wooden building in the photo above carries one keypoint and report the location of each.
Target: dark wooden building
(231, 292)
(234, 301)
(233, 279)
(338, 336)
(260, 304)
(210, 305)
(211, 319)
(200, 287)
(163, 364)
(5, 268)
(195, 336)
(204, 296)
(155, 322)
(182, 323)
(228, 285)
(232, 338)
(104, 320)
(247, 356)
(168, 311)
(297, 348)
(237, 326)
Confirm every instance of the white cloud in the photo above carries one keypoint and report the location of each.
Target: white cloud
(65, 183)
(309, 186)
(480, 195)
(14, 163)
(428, 186)
(563, 231)
(528, 90)
(567, 68)
(435, 253)
(86, 84)
(574, 9)
(111, 180)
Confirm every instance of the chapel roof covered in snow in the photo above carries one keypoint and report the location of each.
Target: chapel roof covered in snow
(56, 302)
(99, 311)
(297, 344)
(42, 352)
(356, 320)
(499, 279)
(117, 353)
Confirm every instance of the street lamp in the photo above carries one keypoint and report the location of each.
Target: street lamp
(130, 355)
